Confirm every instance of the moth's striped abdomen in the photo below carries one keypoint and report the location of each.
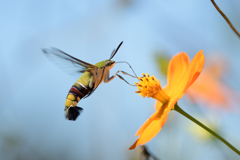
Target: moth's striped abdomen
(75, 94)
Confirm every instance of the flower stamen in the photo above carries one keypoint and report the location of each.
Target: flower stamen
(150, 87)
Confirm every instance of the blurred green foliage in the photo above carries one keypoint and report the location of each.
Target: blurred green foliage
(162, 60)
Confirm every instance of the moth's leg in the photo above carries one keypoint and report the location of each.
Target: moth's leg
(125, 80)
(108, 79)
(126, 74)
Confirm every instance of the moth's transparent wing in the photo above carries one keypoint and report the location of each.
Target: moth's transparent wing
(69, 63)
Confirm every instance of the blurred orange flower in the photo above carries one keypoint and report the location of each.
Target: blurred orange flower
(210, 90)
(181, 75)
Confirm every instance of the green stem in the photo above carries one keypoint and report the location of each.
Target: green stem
(178, 109)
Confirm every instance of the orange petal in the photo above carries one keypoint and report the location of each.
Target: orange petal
(208, 89)
(177, 68)
(135, 144)
(149, 129)
(167, 89)
(158, 105)
(196, 67)
(153, 125)
(156, 117)
(191, 74)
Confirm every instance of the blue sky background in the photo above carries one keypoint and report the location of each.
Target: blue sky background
(33, 89)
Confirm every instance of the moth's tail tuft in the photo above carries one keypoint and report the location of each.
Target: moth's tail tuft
(73, 112)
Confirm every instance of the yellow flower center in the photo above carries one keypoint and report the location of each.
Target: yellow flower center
(151, 87)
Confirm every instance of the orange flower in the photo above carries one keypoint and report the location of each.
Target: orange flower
(181, 75)
(210, 90)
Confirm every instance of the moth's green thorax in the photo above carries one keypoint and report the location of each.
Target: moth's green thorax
(105, 63)
(87, 77)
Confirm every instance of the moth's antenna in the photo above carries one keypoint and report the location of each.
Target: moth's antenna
(115, 51)
(129, 66)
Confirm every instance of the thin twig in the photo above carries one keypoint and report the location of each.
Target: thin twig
(145, 153)
(225, 17)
